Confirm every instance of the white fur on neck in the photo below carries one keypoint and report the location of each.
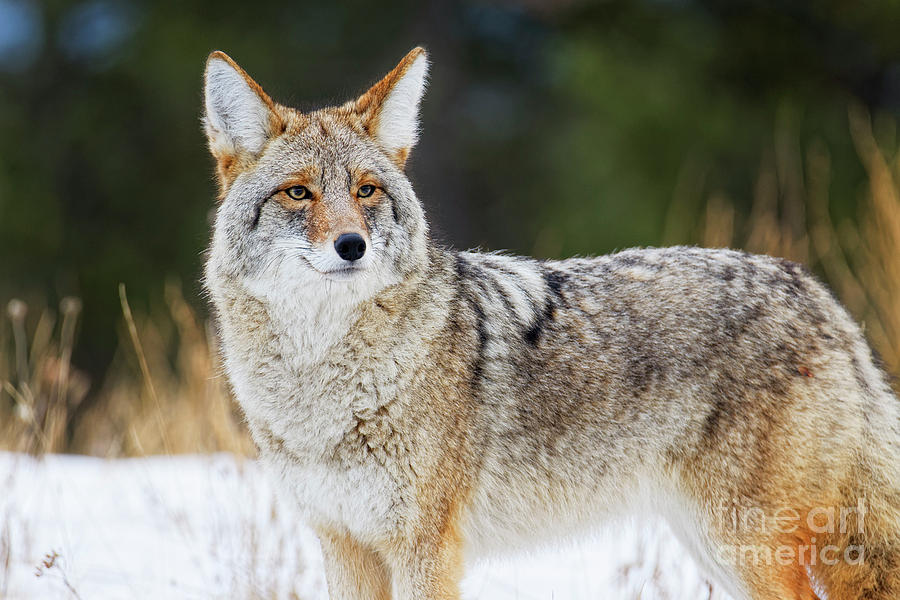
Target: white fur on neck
(236, 117)
(398, 120)
(312, 311)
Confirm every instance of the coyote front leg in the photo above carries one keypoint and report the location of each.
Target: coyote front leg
(428, 569)
(353, 570)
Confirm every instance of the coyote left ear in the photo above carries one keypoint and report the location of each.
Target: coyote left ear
(390, 109)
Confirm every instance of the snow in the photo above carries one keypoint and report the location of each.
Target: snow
(192, 527)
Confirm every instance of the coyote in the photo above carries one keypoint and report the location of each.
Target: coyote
(424, 406)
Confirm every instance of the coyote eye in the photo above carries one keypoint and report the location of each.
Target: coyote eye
(298, 192)
(366, 191)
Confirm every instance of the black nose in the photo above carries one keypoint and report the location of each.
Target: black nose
(350, 246)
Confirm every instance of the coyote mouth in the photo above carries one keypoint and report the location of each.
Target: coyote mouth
(342, 273)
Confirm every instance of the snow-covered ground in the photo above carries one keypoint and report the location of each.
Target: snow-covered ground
(210, 527)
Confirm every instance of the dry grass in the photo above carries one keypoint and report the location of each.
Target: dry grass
(164, 393)
(52, 561)
(40, 388)
(860, 259)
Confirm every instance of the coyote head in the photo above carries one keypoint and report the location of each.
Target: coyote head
(316, 199)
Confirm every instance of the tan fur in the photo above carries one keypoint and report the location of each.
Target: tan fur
(352, 565)
(423, 406)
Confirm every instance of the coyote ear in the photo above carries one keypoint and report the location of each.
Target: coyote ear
(240, 117)
(390, 109)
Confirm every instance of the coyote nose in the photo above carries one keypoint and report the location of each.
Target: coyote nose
(350, 246)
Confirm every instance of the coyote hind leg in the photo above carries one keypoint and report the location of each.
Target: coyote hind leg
(765, 566)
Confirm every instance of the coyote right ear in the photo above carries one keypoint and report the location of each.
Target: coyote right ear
(240, 117)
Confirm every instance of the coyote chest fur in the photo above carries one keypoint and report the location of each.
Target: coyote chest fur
(423, 406)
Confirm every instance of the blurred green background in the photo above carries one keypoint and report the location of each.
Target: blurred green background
(550, 128)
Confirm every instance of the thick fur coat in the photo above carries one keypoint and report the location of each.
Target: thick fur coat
(423, 406)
